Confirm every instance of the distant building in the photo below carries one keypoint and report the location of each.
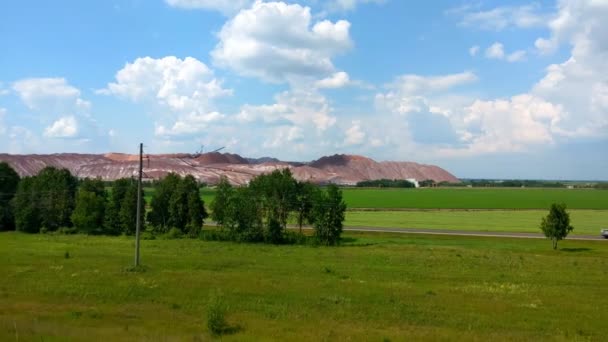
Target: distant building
(413, 181)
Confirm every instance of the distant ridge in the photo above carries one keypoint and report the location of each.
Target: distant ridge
(210, 167)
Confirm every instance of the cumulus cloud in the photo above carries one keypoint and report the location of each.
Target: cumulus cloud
(187, 87)
(500, 18)
(507, 125)
(354, 135)
(497, 51)
(226, 7)
(65, 127)
(474, 50)
(299, 106)
(337, 80)
(349, 5)
(37, 93)
(275, 41)
(576, 84)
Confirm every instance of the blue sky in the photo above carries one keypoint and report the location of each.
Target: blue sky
(484, 89)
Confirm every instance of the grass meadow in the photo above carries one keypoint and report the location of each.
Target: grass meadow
(375, 287)
(585, 222)
(475, 198)
(460, 198)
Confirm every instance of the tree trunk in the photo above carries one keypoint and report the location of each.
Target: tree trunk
(554, 243)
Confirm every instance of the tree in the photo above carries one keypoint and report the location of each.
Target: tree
(556, 225)
(45, 200)
(242, 216)
(56, 189)
(328, 216)
(159, 216)
(26, 207)
(9, 181)
(128, 209)
(219, 206)
(306, 193)
(186, 209)
(89, 212)
(276, 192)
(113, 223)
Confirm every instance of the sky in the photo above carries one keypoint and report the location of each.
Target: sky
(484, 89)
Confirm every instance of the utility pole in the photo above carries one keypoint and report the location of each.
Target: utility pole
(138, 221)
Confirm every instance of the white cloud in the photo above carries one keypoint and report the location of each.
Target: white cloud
(181, 85)
(337, 80)
(189, 124)
(349, 5)
(226, 7)
(473, 50)
(36, 93)
(187, 87)
(497, 51)
(578, 84)
(354, 135)
(275, 41)
(283, 136)
(500, 18)
(517, 56)
(507, 125)
(408, 93)
(65, 127)
(298, 106)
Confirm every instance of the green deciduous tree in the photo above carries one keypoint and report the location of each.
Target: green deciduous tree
(219, 205)
(159, 216)
(176, 203)
(128, 209)
(26, 206)
(89, 212)
(328, 212)
(556, 225)
(113, 223)
(45, 201)
(9, 180)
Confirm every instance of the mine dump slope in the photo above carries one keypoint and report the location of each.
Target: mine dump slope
(209, 167)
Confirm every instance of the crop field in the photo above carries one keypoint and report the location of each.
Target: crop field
(372, 288)
(475, 198)
(460, 198)
(585, 222)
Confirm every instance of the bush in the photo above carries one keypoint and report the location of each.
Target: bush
(174, 233)
(216, 313)
(67, 230)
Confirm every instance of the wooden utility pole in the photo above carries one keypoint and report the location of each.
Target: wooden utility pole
(138, 221)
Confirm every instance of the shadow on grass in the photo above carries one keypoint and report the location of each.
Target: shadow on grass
(575, 250)
(354, 242)
(228, 329)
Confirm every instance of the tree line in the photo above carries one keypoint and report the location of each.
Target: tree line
(55, 200)
(260, 211)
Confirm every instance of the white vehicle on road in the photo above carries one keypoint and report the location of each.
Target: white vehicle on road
(605, 233)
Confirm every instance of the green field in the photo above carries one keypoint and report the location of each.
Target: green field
(460, 198)
(585, 222)
(373, 288)
(475, 198)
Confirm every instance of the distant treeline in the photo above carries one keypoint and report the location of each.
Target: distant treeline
(386, 183)
(56, 201)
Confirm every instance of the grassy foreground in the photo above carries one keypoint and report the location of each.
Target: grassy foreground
(585, 222)
(374, 287)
